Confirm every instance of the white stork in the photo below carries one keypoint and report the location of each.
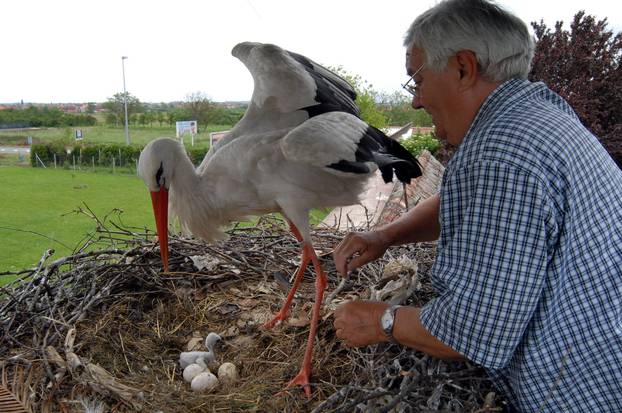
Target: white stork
(300, 145)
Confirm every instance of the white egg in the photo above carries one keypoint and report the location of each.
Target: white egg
(192, 370)
(228, 373)
(205, 381)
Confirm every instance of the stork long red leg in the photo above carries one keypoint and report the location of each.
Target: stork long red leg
(282, 314)
(294, 230)
(304, 261)
(302, 378)
(308, 254)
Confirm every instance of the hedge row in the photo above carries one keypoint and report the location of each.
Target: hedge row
(100, 155)
(124, 155)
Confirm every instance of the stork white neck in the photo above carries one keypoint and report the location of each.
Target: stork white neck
(190, 202)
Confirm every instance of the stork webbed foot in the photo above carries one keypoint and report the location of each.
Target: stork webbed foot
(301, 379)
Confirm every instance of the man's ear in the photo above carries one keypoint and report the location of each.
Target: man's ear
(467, 65)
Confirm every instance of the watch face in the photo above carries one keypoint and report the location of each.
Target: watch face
(386, 320)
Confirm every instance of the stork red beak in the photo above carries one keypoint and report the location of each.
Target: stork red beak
(159, 200)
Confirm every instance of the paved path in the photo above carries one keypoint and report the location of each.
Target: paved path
(365, 214)
(15, 149)
(383, 203)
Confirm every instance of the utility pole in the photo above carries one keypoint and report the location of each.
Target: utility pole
(127, 132)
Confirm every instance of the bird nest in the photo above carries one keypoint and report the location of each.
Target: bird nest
(104, 328)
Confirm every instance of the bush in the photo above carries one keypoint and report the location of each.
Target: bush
(123, 155)
(196, 155)
(48, 153)
(583, 66)
(418, 142)
(98, 155)
(85, 155)
(42, 117)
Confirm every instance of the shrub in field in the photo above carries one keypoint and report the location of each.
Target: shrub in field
(48, 153)
(85, 155)
(32, 116)
(418, 142)
(96, 155)
(121, 155)
(196, 154)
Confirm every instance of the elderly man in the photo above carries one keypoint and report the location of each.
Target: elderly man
(528, 218)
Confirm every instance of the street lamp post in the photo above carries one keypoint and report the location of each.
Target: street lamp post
(127, 132)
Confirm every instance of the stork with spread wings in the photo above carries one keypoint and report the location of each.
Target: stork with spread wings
(300, 145)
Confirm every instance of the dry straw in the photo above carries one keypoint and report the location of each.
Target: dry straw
(104, 328)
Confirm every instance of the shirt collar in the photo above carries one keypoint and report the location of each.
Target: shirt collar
(505, 95)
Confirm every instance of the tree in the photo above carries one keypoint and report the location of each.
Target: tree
(366, 98)
(170, 117)
(41, 117)
(111, 119)
(199, 107)
(584, 66)
(160, 117)
(142, 119)
(150, 117)
(115, 106)
(227, 116)
(397, 107)
(177, 114)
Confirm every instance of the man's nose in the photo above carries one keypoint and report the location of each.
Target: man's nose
(416, 103)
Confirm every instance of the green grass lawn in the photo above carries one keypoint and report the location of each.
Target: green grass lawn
(37, 210)
(37, 207)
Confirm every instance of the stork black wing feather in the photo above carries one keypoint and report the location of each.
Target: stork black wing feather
(374, 146)
(333, 92)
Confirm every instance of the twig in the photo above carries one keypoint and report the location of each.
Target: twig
(38, 234)
(127, 363)
(329, 299)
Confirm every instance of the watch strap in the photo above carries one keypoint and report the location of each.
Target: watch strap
(388, 329)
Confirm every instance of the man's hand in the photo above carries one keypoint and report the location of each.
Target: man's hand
(357, 249)
(357, 323)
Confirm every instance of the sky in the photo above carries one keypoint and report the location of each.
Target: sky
(65, 51)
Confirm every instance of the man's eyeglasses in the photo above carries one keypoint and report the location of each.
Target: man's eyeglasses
(411, 85)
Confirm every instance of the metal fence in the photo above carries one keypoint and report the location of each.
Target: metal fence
(10, 156)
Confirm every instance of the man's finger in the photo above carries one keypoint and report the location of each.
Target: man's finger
(337, 312)
(357, 261)
(353, 260)
(340, 259)
(343, 260)
(341, 265)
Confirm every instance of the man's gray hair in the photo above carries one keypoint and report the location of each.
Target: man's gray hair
(501, 41)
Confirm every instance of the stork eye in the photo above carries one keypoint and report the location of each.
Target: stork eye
(159, 173)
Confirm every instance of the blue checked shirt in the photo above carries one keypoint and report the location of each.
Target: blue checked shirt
(529, 264)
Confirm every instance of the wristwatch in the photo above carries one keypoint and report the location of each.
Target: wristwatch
(386, 321)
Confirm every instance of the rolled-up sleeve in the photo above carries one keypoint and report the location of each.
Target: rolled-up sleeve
(491, 261)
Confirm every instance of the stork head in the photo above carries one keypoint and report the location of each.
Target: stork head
(156, 168)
